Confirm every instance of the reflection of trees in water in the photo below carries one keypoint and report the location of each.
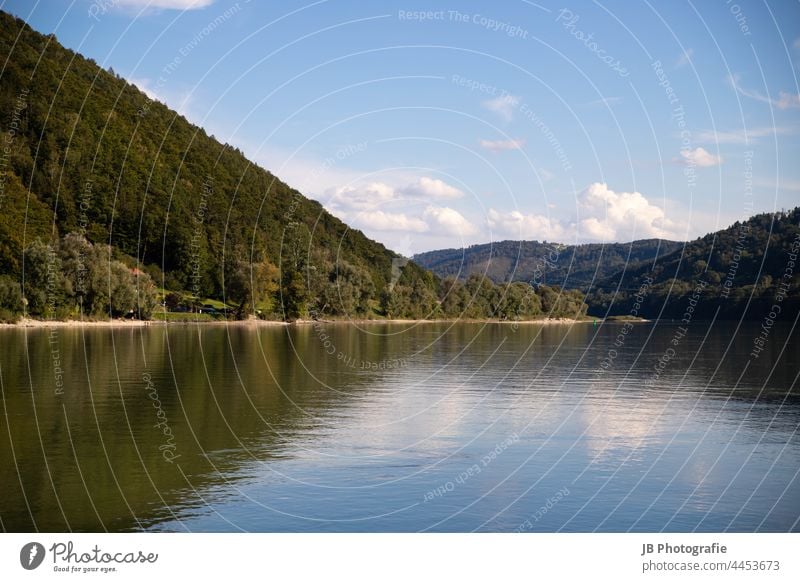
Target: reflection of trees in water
(244, 396)
(228, 407)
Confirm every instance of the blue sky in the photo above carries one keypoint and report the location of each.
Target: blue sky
(441, 124)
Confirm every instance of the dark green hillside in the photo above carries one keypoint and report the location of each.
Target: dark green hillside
(570, 266)
(746, 268)
(103, 160)
(93, 168)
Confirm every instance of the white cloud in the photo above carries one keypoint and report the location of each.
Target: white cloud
(685, 58)
(609, 215)
(372, 195)
(166, 4)
(449, 221)
(700, 157)
(544, 174)
(503, 106)
(431, 188)
(517, 225)
(380, 207)
(389, 221)
(787, 100)
(739, 136)
(603, 215)
(784, 101)
(501, 145)
(366, 197)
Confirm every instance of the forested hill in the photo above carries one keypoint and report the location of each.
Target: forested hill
(742, 271)
(104, 191)
(570, 266)
(128, 171)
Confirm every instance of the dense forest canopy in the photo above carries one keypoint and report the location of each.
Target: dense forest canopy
(744, 271)
(110, 203)
(569, 266)
(105, 187)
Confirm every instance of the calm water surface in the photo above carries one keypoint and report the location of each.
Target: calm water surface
(390, 427)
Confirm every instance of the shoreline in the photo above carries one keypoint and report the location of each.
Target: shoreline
(132, 323)
(546, 321)
(137, 323)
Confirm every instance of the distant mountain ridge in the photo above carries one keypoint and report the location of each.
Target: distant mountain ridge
(742, 270)
(568, 266)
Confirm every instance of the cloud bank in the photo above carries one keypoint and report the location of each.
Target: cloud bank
(603, 215)
(417, 207)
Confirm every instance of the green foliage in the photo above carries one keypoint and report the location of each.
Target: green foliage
(43, 282)
(18, 207)
(542, 263)
(75, 277)
(10, 299)
(148, 195)
(348, 291)
(122, 169)
(744, 268)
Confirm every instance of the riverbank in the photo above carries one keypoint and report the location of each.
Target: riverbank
(546, 321)
(36, 323)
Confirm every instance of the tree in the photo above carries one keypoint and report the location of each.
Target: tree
(43, 288)
(349, 290)
(453, 297)
(10, 299)
(483, 297)
(251, 286)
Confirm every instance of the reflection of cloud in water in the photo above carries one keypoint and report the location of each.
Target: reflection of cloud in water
(618, 425)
